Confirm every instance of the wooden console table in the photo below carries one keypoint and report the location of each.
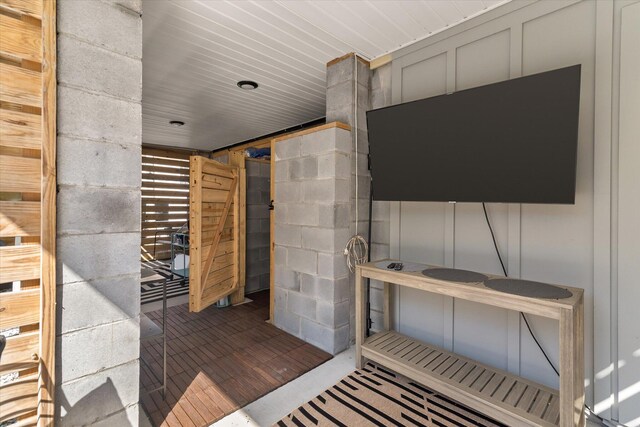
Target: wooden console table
(505, 397)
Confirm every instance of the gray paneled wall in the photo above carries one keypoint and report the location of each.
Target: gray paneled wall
(627, 265)
(258, 226)
(98, 253)
(551, 243)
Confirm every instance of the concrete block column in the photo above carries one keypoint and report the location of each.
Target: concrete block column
(312, 224)
(98, 246)
(351, 92)
(348, 99)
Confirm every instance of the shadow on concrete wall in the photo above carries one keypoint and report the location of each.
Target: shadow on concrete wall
(80, 412)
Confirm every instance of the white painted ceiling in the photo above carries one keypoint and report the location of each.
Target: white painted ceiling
(196, 51)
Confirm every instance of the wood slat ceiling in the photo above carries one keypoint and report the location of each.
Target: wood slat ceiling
(196, 51)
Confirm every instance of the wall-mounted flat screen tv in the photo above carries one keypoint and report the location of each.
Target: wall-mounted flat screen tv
(514, 142)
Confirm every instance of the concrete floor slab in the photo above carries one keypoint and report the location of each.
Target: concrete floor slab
(280, 402)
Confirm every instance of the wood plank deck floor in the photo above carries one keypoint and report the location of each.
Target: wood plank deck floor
(218, 361)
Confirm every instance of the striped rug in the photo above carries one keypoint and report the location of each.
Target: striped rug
(374, 396)
(153, 275)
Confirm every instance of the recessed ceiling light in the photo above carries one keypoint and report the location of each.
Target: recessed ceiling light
(247, 85)
(176, 123)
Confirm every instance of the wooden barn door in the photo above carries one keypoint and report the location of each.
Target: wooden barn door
(27, 210)
(214, 232)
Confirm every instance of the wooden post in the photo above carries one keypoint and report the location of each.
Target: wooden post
(195, 227)
(387, 306)
(236, 158)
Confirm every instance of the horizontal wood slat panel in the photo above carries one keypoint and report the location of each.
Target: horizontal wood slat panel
(222, 261)
(28, 7)
(19, 308)
(207, 236)
(19, 397)
(20, 39)
(224, 247)
(19, 219)
(20, 86)
(19, 263)
(21, 130)
(214, 196)
(19, 352)
(158, 218)
(28, 421)
(19, 174)
(213, 294)
(224, 272)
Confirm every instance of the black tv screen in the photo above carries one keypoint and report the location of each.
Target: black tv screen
(513, 142)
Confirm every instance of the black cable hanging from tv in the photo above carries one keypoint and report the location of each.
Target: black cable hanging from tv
(369, 322)
(504, 270)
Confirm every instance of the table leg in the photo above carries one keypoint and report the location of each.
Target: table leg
(386, 306)
(572, 367)
(361, 302)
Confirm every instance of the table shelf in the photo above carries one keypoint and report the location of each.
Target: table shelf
(499, 394)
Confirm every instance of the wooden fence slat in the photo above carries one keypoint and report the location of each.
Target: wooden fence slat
(19, 263)
(155, 185)
(19, 219)
(177, 195)
(47, 312)
(216, 182)
(19, 174)
(164, 224)
(225, 171)
(20, 39)
(147, 216)
(214, 196)
(162, 206)
(164, 177)
(19, 397)
(170, 154)
(19, 308)
(20, 86)
(19, 352)
(164, 169)
(155, 162)
(28, 7)
(21, 130)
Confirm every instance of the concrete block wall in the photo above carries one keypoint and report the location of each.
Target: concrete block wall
(312, 224)
(258, 225)
(98, 214)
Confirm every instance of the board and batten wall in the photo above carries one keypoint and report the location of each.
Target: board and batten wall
(577, 245)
